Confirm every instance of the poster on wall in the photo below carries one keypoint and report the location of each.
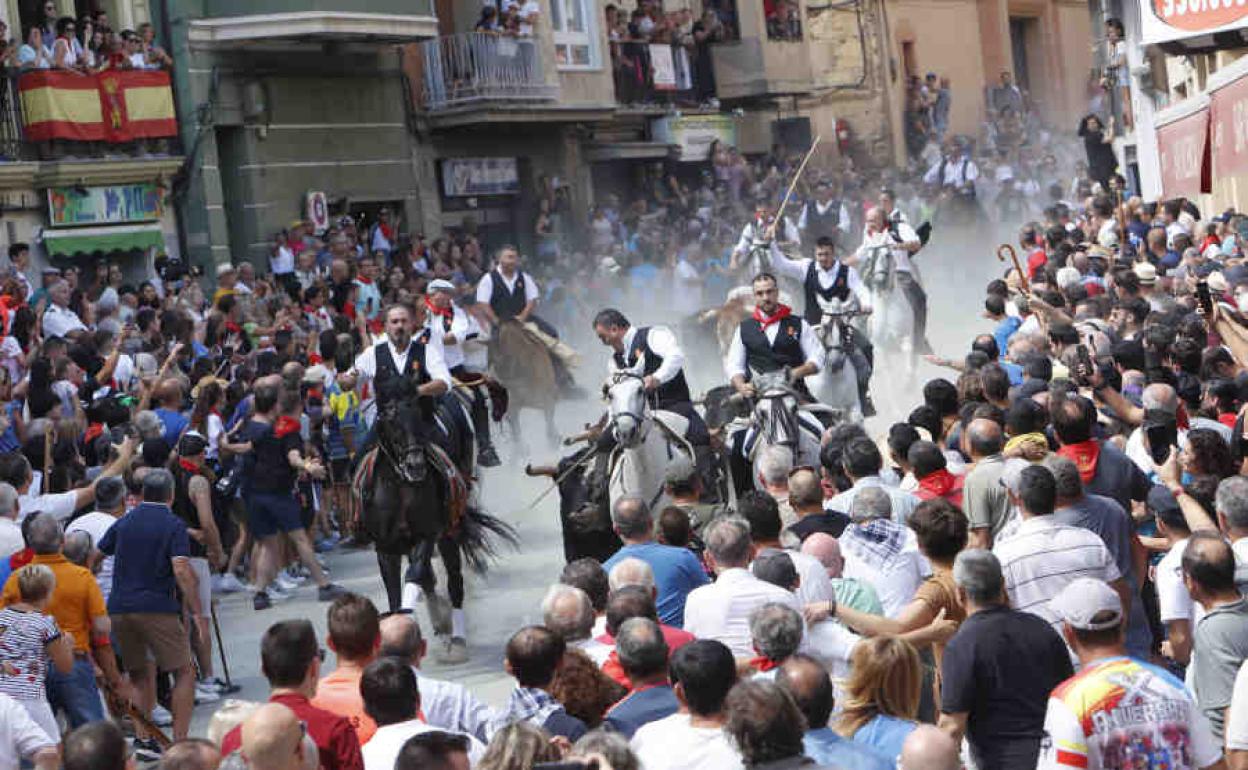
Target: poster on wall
(1164, 20)
(466, 177)
(694, 134)
(318, 212)
(111, 205)
(663, 67)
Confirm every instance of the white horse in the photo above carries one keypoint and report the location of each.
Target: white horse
(891, 325)
(836, 383)
(644, 447)
(778, 421)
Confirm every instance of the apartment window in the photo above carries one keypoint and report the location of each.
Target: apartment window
(575, 30)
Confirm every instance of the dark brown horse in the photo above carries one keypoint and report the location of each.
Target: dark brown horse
(521, 363)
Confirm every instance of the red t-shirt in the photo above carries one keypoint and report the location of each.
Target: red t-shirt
(333, 735)
(675, 638)
(1036, 260)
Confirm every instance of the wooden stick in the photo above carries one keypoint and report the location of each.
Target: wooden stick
(1006, 248)
(136, 714)
(792, 186)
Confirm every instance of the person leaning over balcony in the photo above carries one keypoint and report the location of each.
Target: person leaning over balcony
(157, 58)
(527, 12)
(64, 57)
(32, 55)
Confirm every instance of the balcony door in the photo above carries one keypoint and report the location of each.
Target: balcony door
(575, 26)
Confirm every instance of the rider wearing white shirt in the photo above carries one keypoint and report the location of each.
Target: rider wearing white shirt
(887, 227)
(771, 340)
(759, 235)
(452, 327)
(826, 277)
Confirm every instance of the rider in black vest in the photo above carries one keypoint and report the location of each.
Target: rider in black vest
(793, 347)
(844, 282)
(659, 353)
(826, 224)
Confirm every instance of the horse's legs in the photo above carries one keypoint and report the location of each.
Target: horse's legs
(448, 549)
(391, 567)
(420, 571)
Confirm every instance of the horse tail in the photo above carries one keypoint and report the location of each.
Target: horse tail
(480, 536)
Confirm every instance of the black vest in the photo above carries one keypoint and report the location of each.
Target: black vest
(762, 356)
(389, 382)
(184, 507)
(838, 290)
(675, 390)
(507, 304)
(823, 225)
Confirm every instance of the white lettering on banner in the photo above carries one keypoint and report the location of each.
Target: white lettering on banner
(1239, 124)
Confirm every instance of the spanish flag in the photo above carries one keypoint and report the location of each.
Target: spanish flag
(111, 106)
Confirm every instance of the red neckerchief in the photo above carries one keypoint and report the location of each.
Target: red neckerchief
(21, 559)
(763, 664)
(1181, 419)
(445, 312)
(1228, 419)
(285, 425)
(187, 465)
(363, 280)
(1084, 455)
(387, 232)
(233, 328)
(938, 484)
(94, 431)
(765, 320)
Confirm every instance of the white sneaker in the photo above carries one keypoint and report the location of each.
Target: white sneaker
(286, 584)
(206, 693)
(295, 576)
(413, 595)
(229, 584)
(161, 716)
(277, 594)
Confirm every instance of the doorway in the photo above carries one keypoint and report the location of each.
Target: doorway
(1024, 36)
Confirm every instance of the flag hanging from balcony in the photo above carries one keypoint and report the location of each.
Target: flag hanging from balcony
(112, 106)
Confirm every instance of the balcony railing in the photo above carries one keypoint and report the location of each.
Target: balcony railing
(52, 115)
(475, 67)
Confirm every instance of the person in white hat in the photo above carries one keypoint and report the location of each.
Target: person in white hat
(449, 324)
(1117, 709)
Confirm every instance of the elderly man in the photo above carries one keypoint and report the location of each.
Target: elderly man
(676, 570)
(272, 739)
(1005, 711)
(634, 601)
(191, 754)
(763, 515)
(862, 464)
(882, 553)
(929, 748)
(58, 319)
(447, 705)
(79, 610)
(110, 505)
(97, 746)
(810, 685)
(984, 500)
(806, 500)
(776, 631)
(1220, 642)
(566, 610)
(643, 654)
(721, 610)
(533, 655)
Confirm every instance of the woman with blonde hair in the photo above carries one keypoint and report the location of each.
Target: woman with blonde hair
(882, 694)
(30, 639)
(519, 746)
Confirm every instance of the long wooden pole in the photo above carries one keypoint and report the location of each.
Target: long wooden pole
(792, 186)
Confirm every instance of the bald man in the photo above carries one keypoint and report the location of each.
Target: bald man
(446, 705)
(809, 683)
(927, 747)
(273, 739)
(984, 500)
(806, 499)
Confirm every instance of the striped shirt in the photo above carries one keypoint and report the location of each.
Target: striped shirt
(1042, 557)
(24, 637)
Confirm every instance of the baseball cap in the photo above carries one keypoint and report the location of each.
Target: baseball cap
(1082, 600)
(679, 471)
(1161, 504)
(1145, 272)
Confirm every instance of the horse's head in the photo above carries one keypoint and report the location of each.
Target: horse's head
(626, 396)
(834, 332)
(775, 413)
(400, 448)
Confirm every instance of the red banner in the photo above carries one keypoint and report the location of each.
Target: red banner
(1228, 127)
(1184, 149)
(112, 106)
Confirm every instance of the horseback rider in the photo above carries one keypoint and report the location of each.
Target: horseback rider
(408, 375)
(662, 366)
(824, 217)
(826, 277)
(508, 293)
(452, 327)
(886, 226)
(955, 176)
(757, 244)
(772, 339)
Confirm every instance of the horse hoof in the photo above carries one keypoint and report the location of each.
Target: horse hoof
(439, 614)
(454, 651)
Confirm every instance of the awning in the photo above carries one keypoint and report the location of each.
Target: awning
(1228, 118)
(1199, 24)
(87, 240)
(605, 151)
(1183, 147)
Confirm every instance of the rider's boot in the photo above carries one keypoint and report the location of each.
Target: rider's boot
(486, 456)
(868, 406)
(455, 650)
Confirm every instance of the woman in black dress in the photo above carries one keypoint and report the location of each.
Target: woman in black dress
(1098, 143)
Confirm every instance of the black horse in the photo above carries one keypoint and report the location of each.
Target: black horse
(415, 498)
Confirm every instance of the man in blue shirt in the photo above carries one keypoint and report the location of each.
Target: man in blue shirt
(676, 570)
(150, 549)
(169, 397)
(1006, 325)
(808, 682)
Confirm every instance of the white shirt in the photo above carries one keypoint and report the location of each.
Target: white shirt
(796, 269)
(597, 651)
(383, 748)
(1235, 727)
(1043, 557)
(903, 502)
(833, 644)
(96, 524)
(283, 261)
(60, 321)
(751, 233)
(842, 221)
(527, 8)
(672, 743)
(1174, 602)
(953, 172)
(735, 363)
(895, 582)
(366, 363)
(721, 610)
(10, 537)
(1136, 450)
(61, 505)
(485, 287)
(815, 585)
(663, 343)
(463, 326)
(20, 737)
(450, 706)
(901, 257)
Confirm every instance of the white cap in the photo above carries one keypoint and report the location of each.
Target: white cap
(225, 267)
(440, 284)
(1085, 598)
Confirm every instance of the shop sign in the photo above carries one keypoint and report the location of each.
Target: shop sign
(1166, 20)
(1183, 148)
(469, 177)
(694, 134)
(1228, 127)
(112, 205)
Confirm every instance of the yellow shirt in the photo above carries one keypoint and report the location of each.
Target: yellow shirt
(76, 600)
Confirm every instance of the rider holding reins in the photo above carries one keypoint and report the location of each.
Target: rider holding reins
(771, 340)
(452, 327)
(828, 279)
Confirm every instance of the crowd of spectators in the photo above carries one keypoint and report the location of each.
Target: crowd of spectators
(88, 44)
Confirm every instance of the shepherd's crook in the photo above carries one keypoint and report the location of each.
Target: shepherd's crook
(792, 185)
(1006, 248)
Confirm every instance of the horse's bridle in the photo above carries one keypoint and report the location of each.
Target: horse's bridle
(625, 375)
